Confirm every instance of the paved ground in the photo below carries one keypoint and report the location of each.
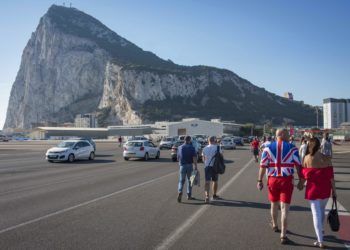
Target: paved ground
(112, 204)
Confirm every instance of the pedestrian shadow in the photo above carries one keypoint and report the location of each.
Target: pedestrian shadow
(326, 238)
(251, 204)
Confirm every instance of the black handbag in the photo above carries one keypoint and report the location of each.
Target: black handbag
(333, 218)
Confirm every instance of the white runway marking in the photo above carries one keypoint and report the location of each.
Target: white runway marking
(181, 230)
(84, 203)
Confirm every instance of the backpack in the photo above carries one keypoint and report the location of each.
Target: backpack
(219, 164)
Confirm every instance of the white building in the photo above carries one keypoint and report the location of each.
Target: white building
(86, 121)
(335, 112)
(194, 126)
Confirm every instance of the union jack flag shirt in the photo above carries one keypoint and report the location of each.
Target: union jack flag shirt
(279, 158)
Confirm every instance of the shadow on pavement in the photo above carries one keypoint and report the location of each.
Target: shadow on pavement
(103, 155)
(342, 188)
(235, 203)
(326, 238)
(341, 172)
(92, 162)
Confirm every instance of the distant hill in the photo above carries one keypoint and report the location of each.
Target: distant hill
(74, 64)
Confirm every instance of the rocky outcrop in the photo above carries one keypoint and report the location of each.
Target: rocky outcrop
(74, 64)
(60, 75)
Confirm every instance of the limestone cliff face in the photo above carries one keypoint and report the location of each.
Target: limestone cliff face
(74, 64)
(60, 75)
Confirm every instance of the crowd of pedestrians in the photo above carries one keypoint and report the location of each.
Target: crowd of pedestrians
(280, 160)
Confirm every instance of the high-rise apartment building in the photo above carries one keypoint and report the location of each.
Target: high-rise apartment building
(335, 112)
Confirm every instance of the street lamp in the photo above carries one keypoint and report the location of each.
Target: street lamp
(316, 116)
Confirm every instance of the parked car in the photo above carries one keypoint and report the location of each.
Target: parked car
(238, 140)
(197, 146)
(142, 149)
(71, 150)
(167, 142)
(227, 143)
(4, 138)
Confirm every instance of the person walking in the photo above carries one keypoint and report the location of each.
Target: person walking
(279, 159)
(266, 143)
(120, 140)
(187, 156)
(255, 148)
(326, 146)
(302, 149)
(318, 174)
(208, 155)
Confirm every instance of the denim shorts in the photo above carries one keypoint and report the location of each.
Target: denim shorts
(210, 175)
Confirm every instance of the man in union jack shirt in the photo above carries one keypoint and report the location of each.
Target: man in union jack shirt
(279, 160)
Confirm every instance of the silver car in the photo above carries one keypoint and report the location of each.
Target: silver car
(228, 143)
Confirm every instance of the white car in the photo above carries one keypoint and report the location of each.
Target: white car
(71, 150)
(140, 149)
(167, 142)
(228, 143)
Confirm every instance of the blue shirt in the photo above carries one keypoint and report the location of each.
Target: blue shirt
(185, 154)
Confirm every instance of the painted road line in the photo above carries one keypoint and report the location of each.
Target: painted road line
(344, 217)
(182, 229)
(341, 152)
(85, 203)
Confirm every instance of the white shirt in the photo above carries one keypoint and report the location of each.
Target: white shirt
(209, 152)
(302, 151)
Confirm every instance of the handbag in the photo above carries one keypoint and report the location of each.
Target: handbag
(333, 218)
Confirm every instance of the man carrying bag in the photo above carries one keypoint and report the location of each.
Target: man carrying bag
(211, 173)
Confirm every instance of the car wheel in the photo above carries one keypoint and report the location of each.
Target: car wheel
(146, 157)
(92, 156)
(174, 159)
(50, 161)
(158, 155)
(71, 158)
(126, 158)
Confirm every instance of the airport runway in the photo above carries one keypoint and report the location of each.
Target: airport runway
(109, 203)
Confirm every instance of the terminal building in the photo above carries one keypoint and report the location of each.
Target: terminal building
(335, 112)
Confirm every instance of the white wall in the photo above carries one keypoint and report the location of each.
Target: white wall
(196, 127)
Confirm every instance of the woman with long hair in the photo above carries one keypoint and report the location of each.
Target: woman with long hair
(318, 174)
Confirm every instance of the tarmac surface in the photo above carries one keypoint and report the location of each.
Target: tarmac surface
(110, 203)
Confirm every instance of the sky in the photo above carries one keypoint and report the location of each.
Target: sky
(299, 46)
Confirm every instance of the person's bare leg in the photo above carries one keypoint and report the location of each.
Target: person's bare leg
(206, 189)
(215, 187)
(274, 213)
(284, 217)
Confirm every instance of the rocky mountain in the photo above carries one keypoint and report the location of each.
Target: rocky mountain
(74, 64)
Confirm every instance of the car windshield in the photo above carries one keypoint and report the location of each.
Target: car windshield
(66, 144)
(134, 144)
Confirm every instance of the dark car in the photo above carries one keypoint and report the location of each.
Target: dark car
(238, 140)
(89, 140)
(197, 146)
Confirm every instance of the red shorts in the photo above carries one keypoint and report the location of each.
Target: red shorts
(280, 189)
